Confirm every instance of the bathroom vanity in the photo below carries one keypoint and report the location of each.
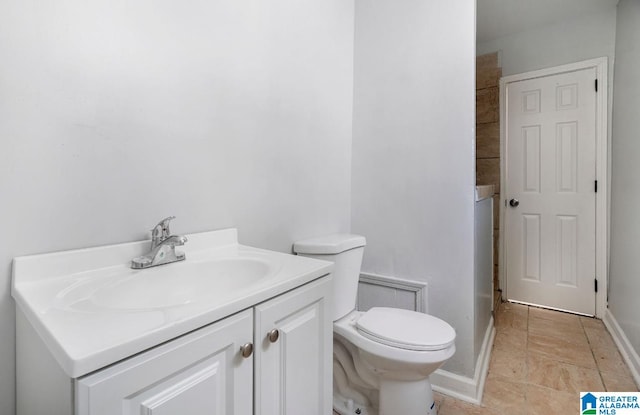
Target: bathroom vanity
(230, 330)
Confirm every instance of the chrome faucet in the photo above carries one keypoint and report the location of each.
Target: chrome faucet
(163, 247)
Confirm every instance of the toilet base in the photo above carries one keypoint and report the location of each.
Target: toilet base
(346, 406)
(396, 397)
(406, 397)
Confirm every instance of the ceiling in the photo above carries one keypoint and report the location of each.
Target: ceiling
(497, 18)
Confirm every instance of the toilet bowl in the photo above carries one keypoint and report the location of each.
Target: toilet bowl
(382, 357)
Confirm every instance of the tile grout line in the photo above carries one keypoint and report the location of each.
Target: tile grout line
(604, 385)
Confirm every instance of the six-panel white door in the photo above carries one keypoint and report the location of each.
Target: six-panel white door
(550, 176)
(293, 360)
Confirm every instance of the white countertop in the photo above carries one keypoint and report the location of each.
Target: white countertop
(84, 336)
(484, 192)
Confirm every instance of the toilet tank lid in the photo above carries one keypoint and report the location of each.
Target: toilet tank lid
(329, 244)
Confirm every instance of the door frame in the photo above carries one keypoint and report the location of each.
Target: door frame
(602, 169)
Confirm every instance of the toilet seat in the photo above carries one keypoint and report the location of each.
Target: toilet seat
(388, 357)
(405, 329)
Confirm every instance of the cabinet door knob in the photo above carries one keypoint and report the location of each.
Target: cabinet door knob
(273, 335)
(246, 350)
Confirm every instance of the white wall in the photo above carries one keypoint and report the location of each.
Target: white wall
(584, 37)
(413, 152)
(624, 273)
(116, 114)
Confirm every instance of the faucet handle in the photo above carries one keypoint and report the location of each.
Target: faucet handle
(161, 230)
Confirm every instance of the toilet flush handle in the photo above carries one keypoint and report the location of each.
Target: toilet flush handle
(273, 335)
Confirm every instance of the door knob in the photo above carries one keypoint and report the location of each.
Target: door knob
(246, 350)
(273, 335)
(514, 202)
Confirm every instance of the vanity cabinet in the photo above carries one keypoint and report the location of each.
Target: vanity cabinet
(205, 371)
(233, 330)
(200, 373)
(293, 361)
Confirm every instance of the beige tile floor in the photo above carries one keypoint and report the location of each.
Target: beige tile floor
(540, 362)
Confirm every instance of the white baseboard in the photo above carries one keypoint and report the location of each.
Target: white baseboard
(462, 387)
(627, 351)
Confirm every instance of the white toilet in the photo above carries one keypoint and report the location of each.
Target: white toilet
(382, 358)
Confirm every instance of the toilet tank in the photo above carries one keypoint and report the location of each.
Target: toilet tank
(345, 251)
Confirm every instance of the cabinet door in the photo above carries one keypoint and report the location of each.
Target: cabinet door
(200, 373)
(293, 373)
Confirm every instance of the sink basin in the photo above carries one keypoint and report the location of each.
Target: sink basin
(170, 286)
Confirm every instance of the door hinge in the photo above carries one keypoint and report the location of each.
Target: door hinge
(595, 186)
(595, 284)
(596, 85)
